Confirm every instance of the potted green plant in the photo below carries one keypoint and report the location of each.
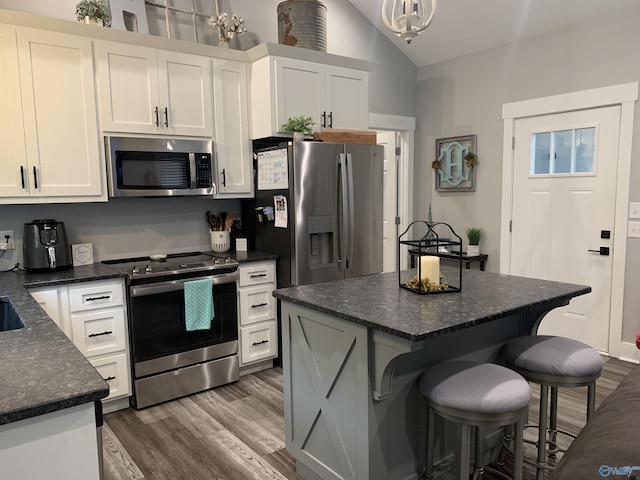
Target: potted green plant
(95, 11)
(474, 234)
(298, 125)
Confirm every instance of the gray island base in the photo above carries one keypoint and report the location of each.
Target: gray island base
(353, 350)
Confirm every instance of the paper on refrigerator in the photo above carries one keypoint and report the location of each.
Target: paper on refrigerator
(280, 202)
(273, 173)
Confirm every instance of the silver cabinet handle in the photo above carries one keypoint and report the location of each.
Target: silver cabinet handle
(166, 116)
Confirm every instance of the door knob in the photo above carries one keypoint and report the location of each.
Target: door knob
(601, 251)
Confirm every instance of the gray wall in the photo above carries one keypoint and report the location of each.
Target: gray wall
(145, 226)
(465, 96)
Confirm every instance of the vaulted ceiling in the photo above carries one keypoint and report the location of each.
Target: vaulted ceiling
(465, 26)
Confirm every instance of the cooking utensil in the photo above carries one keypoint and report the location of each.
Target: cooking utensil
(223, 218)
(229, 221)
(212, 220)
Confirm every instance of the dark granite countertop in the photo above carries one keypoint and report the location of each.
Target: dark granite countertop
(378, 302)
(41, 370)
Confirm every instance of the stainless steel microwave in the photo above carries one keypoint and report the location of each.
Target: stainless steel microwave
(159, 167)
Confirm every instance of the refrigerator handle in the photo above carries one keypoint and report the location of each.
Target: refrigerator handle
(342, 228)
(350, 222)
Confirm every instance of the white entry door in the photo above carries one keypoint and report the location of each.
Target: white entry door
(564, 194)
(389, 227)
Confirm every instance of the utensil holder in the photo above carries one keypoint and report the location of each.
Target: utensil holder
(220, 241)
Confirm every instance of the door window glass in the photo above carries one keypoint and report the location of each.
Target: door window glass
(563, 152)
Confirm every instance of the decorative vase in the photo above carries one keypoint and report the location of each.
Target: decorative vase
(298, 136)
(473, 251)
(92, 21)
(303, 23)
(224, 42)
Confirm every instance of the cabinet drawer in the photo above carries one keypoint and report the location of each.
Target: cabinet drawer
(255, 273)
(96, 295)
(258, 342)
(114, 370)
(96, 333)
(257, 304)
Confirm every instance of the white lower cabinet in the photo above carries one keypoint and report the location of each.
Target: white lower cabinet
(93, 315)
(258, 342)
(257, 317)
(115, 370)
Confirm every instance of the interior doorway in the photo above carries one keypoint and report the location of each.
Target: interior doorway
(396, 133)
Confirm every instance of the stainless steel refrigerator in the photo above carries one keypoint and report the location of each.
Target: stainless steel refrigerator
(333, 194)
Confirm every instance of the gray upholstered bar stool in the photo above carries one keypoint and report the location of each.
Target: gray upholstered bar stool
(553, 362)
(474, 395)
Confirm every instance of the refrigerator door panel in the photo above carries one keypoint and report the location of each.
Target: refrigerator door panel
(367, 167)
(315, 202)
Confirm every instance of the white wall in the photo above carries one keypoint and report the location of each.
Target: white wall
(465, 96)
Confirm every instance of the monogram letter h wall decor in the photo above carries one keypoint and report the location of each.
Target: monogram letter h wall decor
(456, 163)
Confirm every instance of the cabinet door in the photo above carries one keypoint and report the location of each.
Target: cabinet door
(128, 88)
(59, 106)
(347, 98)
(13, 157)
(234, 162)
(185, 94)
(300, 90)
(54, 302)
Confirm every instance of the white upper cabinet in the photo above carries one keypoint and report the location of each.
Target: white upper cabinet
(336, 97)
(13, 156)
(143, 90)
(56, 89)
(232, 143)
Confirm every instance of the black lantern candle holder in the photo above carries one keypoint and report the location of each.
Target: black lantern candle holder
(424, 248)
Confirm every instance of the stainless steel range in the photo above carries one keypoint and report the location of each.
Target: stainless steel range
(170, 361)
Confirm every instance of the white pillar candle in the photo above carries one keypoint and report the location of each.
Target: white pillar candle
(430, 268)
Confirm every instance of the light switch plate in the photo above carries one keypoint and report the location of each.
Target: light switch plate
(634, 229)
(634, 210)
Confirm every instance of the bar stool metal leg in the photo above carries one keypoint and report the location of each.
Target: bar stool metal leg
(519, 450)
(553, 424)
(591, 399)
(465, 452)
(478, 469)
(431, 418)
(542, 432)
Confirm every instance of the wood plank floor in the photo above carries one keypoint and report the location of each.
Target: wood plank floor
(236, 432)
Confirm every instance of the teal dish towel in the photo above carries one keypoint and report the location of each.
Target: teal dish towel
(198, 304)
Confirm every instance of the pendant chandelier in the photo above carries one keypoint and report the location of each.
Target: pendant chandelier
(407, 18)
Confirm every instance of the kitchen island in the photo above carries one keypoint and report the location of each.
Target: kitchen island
(353, 350)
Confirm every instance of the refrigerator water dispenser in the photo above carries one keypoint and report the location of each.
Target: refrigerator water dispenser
(320, 230)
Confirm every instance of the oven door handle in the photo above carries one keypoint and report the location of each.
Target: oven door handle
(174, 285)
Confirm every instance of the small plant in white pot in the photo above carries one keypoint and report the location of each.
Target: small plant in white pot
(474, 234)
(299, 126)
(93, 11)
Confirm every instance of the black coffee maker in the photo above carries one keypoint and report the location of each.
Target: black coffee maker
(45, 246)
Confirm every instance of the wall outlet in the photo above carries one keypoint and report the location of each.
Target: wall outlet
(7, 243)
(634, 210)
(634, 229)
